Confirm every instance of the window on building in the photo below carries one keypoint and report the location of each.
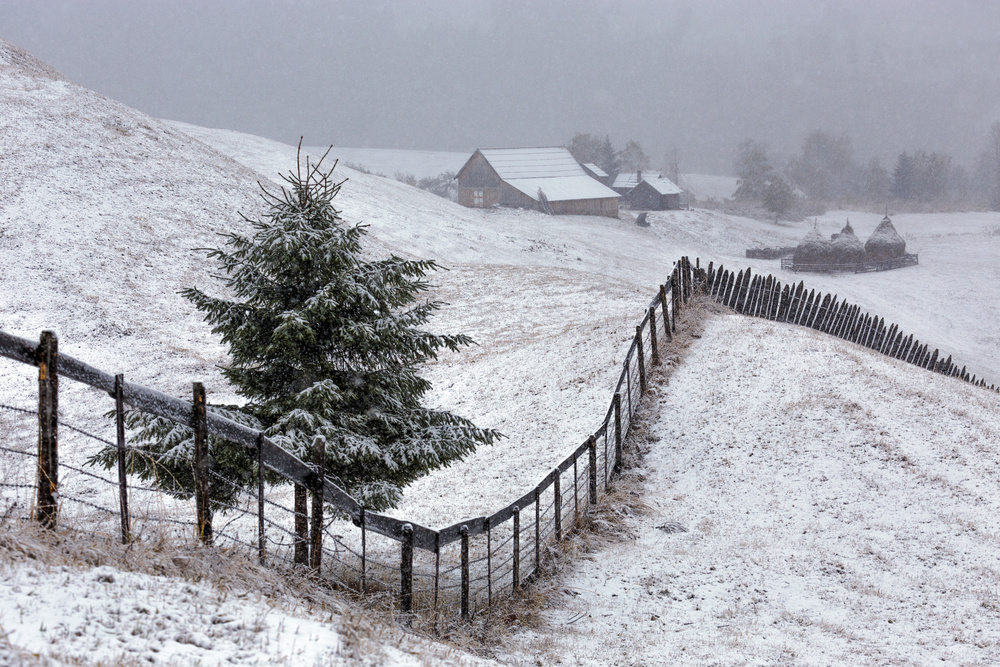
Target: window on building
(477, 197)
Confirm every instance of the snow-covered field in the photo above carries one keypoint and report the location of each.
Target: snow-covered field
(102, 210)
(840, 507)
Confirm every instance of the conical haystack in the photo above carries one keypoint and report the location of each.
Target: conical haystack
(813, 249)
(846, 248)
(885, 242)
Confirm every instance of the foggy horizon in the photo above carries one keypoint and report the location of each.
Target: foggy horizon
(432, 75)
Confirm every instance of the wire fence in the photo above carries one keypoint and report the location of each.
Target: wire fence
(458, 571)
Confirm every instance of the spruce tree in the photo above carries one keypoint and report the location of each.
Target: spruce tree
(323, 341)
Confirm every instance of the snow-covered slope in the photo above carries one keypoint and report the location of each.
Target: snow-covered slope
(840, 507)
(102, 210)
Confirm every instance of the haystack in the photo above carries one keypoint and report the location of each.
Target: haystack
(885, 242)
(846, 248)
(813, 249)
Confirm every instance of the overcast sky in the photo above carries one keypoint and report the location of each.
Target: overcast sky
(701, 75)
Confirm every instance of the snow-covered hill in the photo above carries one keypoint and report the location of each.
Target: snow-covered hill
(102, 210)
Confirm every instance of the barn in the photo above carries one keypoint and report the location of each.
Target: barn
(547, 179)
(646, 191)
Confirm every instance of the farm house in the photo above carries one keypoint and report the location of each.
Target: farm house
(547, 179)
(650, 192)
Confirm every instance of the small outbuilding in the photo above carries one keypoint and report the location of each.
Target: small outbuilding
(547, 179)
(647, 191)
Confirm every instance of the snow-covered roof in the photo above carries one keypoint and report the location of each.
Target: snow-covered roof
(630, 179)
(627, 179)
(595, 170)
(563, 188)
(663, 185)
(552, 169)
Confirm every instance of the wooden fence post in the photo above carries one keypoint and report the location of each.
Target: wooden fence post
(617, 402)
(557, 505)
(319, 463)
(675, 297)
(642, 361)
(301, 510)
(406, 570)
(126, 521)
(538, 531)
(489, 561)
(201, 481)
(464, 532)
(592, 452)
(576, 494)
(364, 550)
(47, 507)
(666, 312)
(261, 544)
(652, 337)
(517, 548)
(437, 573)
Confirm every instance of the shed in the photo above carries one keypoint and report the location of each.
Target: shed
(654, 194)
(547, 178)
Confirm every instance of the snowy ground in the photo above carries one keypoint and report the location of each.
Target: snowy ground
(102, 210)
(840, 506)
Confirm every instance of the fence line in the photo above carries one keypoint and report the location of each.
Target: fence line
(767, 298)
(493, 555)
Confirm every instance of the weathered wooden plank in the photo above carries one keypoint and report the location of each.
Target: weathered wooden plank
(824, 307)
(18, 349)
(807, 308)
(734, 294)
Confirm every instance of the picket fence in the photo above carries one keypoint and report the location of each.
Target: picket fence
(766, 297)
(460, 570)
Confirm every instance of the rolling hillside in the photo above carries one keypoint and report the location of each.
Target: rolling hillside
(826, 491)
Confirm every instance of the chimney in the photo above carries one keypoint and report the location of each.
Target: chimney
(638, 177)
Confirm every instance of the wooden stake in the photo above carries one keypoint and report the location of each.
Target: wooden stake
(47, 507)
(464, 532)
(201, 465)
(126, 522)
(406, 570)
(301, 555)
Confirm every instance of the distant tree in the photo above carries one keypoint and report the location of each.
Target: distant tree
(585, 148)
(875, 182)
(825, 169)
(443, 185)
(933, 173)
(778, 196)
(608, 160)
(904, 177)
(921, 177)
(588, 148)
(632, 157)
(753, 169)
